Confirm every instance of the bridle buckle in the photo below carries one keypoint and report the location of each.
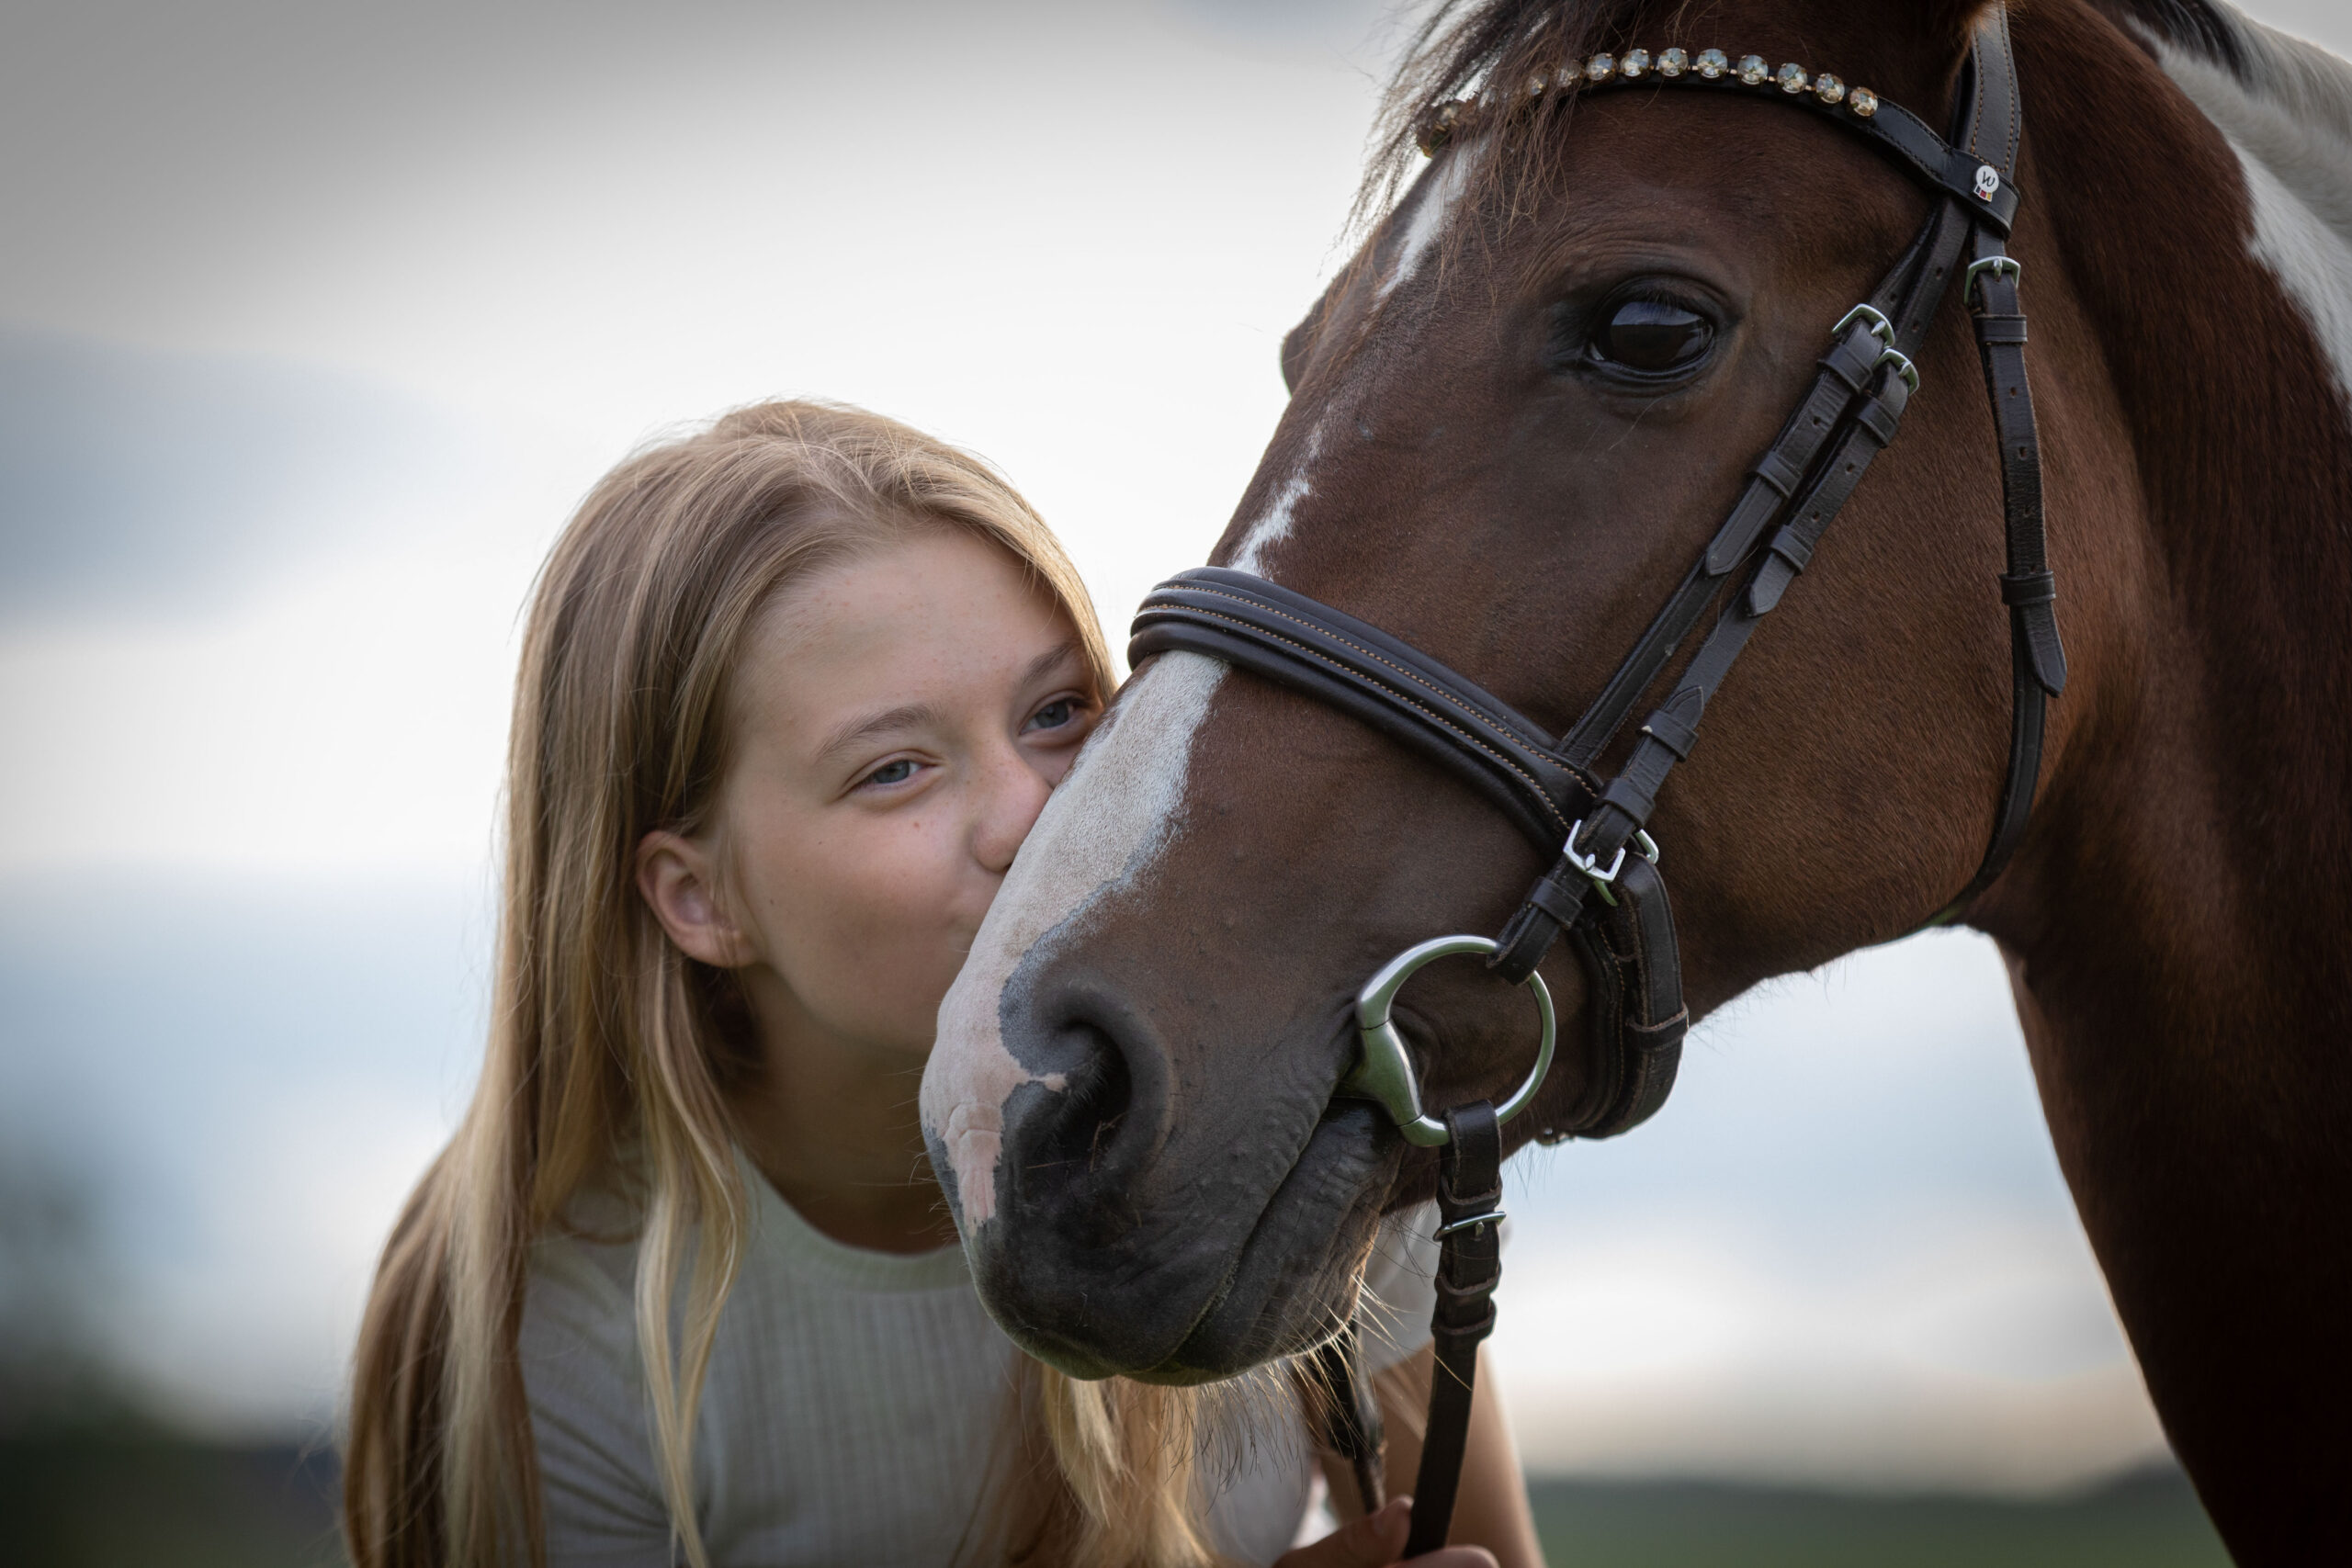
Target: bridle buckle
(1881, 328)
(1474, 1224)
(1591, 865)
(2004, 265)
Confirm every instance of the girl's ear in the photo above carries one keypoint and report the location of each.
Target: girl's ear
(676, 878)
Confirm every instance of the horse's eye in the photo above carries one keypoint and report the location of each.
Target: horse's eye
(1652, 337)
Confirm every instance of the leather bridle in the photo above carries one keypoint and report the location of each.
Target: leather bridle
(1602, 889)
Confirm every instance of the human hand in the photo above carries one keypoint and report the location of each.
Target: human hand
(1375, 1540)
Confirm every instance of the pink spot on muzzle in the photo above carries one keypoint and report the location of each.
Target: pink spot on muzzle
(974, 1137)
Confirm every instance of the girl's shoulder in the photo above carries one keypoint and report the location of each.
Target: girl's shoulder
(835, 1371)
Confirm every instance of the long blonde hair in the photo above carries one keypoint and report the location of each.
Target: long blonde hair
(610, 1052)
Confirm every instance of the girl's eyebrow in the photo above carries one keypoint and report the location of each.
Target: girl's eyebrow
(1058, 654)
(857, 731)
(915, 715)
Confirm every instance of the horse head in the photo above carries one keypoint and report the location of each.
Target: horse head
(1518, 417)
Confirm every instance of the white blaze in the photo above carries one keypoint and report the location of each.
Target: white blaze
(1273, 525)
(1432, 215)
(1103, 828)
(1109, 821)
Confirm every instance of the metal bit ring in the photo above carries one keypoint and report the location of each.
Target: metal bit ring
(1384, 1073)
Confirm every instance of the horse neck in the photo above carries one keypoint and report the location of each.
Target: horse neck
(2178, 931)
(2214, 721)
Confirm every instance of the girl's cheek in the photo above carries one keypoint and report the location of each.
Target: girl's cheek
(916, 899)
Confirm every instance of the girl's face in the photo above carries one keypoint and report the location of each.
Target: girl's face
(898, 720)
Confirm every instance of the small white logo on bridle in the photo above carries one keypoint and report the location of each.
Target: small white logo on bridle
(1988, 180)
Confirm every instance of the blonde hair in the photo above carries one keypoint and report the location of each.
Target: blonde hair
(610, 1052)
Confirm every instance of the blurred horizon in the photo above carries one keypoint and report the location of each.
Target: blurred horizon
(316, 323)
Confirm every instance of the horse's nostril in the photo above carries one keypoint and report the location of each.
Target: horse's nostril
(1084, 1126)
(1080, 1137)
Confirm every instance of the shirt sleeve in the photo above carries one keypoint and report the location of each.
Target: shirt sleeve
(600, 1501)
(1399, 1287)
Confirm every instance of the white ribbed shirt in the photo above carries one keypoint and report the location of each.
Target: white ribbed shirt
(853, 1401)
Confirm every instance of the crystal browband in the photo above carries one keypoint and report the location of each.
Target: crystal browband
(1977, 184)
(1440, 125)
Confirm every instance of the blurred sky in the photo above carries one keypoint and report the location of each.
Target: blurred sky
(315, 318)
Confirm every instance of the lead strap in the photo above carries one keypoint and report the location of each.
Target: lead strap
(1470, 1262)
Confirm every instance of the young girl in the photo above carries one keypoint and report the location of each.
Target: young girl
(681, 1288)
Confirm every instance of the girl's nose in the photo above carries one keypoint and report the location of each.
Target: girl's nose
(1012, 793)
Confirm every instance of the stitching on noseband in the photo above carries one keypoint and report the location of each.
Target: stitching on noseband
(1372, 654)
(1436, 718)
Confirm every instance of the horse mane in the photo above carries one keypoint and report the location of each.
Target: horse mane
(2284, 102)
(2207, 28)
(2286, 107)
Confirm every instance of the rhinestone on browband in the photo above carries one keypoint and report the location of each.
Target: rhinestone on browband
(1441, 124)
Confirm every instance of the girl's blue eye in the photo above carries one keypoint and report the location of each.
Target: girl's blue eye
(899, 771)
(1053, 715)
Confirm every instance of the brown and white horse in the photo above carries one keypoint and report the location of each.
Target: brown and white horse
(1131, 1104)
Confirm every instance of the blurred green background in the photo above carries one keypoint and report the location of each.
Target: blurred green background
(128, 1495)
(131, 1498)
(2149, 1520)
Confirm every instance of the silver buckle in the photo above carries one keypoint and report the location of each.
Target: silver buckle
(1591, 865)
(1880, 326)
(1995, 264)
(1903, 366)
(1471, 1222)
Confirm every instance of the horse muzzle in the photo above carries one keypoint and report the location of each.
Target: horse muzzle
(1136, 1224)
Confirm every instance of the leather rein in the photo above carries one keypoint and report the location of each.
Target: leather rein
(1602, 889)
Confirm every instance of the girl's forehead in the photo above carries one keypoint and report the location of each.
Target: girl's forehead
(937, 612)
(936, 586)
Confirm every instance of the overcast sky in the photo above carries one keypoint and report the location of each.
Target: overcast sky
(314, 320)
